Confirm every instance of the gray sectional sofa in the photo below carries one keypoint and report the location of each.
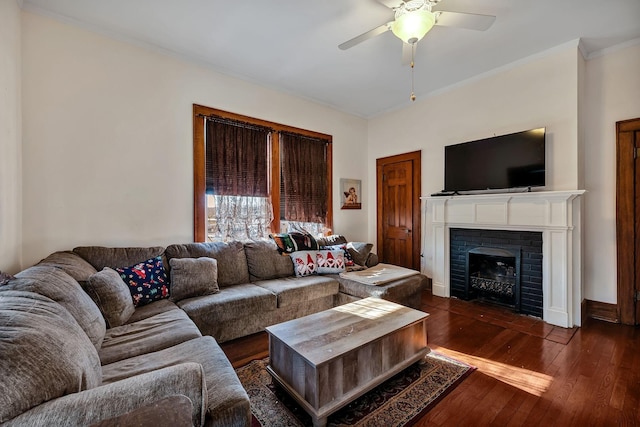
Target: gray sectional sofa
(66, 360)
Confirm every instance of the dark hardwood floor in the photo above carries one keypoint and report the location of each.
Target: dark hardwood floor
(528, 373)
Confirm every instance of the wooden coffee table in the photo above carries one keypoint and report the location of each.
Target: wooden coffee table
(328, 359)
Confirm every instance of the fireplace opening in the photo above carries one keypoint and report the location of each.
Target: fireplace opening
(493, 275)
(527, 245)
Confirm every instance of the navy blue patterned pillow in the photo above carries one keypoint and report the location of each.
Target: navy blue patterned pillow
(147, 281)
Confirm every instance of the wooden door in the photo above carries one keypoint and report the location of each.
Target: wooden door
(398, 210)
(628, 220)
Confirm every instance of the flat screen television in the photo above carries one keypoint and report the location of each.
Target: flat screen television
(509, 161)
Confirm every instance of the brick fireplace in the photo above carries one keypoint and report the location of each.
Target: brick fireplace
(504, 267)
(542, 229)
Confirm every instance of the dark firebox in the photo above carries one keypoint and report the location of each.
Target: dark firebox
(493, 274)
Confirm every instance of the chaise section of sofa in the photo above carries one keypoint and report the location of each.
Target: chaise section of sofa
(406, 291)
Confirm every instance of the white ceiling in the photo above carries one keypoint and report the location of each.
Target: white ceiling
(292, 45)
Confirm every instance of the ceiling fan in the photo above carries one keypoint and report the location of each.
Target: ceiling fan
(414, 18)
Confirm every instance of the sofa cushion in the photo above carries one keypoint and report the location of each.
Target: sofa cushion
(100, 257)
(111, 295)
(44, 353)
(147, 335)
(192, 277)
(232, 302)
(232, 261)
(147, 281)
(157, 307)
(265, 261)
(228, 400)
(60, 287)
(299, 290)
(73, 264)
(330, 261)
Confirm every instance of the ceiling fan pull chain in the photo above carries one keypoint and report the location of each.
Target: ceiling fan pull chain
(413, 48)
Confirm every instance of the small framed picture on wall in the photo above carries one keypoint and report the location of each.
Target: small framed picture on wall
(350, 193)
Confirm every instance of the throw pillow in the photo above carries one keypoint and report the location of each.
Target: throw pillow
(359, 251)
(111, 295)
(294, 241)
(147, 281)
(284, 243)
(5, 278)
(348, 259)
(304, 263)
(192, 277)
(332, 240)
(330, 261)
(304, 241)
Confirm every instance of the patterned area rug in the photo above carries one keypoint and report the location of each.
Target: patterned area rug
(400, 401)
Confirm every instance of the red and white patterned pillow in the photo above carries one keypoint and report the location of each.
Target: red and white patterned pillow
(348, 260)
(304, 263)
(330, 261)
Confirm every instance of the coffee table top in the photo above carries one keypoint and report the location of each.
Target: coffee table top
(323, 336)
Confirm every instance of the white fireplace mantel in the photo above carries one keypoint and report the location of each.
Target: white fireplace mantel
(554, 213)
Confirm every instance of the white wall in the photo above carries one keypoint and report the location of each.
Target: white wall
(10, 137)
(612, 94)
(108, 139)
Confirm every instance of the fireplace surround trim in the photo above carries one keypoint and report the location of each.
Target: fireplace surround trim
(554, 213)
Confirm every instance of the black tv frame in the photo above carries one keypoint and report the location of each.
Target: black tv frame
(522, 157)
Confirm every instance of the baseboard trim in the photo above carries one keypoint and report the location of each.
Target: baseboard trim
(602, 311)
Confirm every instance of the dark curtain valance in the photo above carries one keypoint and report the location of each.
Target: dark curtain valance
(303, 171)
(236, 158)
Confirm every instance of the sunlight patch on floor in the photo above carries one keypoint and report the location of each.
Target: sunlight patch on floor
(526, 380)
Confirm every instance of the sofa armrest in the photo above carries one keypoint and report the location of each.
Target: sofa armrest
(174, 411)
(120, 397)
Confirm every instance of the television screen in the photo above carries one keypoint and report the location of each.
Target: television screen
(500, 162)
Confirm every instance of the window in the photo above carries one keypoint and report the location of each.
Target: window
(253, 177)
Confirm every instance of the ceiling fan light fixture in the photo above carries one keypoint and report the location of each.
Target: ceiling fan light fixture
(412, 26)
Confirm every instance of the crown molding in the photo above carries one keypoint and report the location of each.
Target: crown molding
(614, 48)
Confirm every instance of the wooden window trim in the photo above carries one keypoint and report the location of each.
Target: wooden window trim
(200, 112)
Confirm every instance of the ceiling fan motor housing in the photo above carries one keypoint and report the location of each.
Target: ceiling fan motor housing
(413, 20)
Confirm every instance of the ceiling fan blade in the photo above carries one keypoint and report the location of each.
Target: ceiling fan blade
(365, 36)
(391, 4)
(406, 53)
(471, 21)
